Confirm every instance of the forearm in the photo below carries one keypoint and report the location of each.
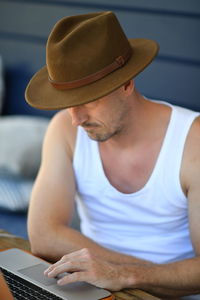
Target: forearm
(166, 280)
(56, 241)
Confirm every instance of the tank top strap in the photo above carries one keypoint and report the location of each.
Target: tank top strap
(173, 147)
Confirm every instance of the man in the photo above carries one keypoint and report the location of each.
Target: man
(135, 164)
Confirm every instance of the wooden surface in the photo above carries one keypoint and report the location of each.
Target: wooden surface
(8, 240)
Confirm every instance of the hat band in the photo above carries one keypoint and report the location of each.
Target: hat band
(118, 63)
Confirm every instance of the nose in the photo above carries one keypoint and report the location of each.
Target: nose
(78, 115)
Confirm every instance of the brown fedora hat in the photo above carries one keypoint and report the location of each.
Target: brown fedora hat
(87, 57)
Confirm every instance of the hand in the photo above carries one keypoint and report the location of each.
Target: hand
(83, 265)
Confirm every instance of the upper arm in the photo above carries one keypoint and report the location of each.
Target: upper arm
(53, 193)
(191, 175)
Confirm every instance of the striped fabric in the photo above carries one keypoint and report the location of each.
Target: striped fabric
(14, 192)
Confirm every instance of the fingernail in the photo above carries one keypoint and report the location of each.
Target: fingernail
(60, 282)
(50, 274)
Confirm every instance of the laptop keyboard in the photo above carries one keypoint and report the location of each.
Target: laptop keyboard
(25, 290)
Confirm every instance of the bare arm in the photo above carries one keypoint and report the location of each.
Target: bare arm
(52, 201)
(183, 277)
(166, 281)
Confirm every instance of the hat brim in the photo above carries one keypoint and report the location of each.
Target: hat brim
(42, 95)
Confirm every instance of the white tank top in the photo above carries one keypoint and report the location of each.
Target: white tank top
(151, 223)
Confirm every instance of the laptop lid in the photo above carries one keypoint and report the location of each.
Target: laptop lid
(31, 268)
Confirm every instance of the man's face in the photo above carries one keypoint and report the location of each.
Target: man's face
(103, 118)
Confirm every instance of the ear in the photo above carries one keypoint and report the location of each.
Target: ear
(129, 87)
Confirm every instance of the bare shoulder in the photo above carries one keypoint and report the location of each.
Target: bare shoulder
(192, 146)
(61, 129)
(190, 175)
(190, 171)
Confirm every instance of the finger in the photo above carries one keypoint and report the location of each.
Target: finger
(49, 269)
(79, 255)
(70, 266)
(65, 267)
(73, 277)
(55, 265)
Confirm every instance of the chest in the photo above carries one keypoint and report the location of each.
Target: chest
(129, 171)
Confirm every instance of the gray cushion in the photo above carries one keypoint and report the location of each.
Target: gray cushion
(21, 140)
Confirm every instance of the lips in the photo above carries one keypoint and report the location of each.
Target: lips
(90, 126)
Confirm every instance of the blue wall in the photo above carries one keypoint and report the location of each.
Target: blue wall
(175, 24)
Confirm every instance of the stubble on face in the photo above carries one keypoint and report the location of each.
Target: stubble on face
(99, 133)
(111, 125)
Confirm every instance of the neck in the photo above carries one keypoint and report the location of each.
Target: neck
(145, 121)
(134, 125)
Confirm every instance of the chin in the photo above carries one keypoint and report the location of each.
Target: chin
(100, 137)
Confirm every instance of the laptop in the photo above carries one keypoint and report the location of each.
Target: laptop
(22, 276)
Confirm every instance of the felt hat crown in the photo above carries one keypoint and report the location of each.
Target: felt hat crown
(87, 57)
